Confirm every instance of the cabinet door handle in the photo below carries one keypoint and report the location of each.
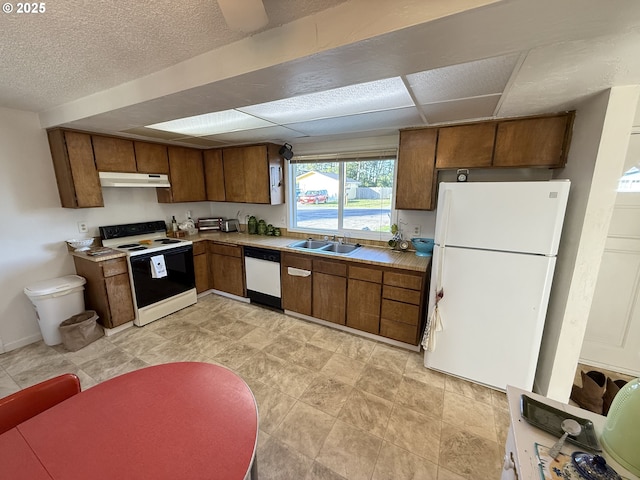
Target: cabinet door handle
(298, 272)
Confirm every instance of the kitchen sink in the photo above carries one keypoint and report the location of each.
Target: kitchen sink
(325, 246)
(340, 248)
(310, 244)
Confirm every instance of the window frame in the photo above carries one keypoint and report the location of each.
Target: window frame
(341, 159)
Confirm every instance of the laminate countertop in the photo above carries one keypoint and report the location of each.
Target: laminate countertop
(381, 256)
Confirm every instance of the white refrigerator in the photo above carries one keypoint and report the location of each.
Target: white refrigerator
(493, 261)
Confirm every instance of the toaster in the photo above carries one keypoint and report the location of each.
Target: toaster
(209, 223)
(229, 225)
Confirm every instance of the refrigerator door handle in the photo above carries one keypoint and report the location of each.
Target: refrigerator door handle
(443, 227)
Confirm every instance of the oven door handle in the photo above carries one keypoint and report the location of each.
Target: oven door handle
(171, 251)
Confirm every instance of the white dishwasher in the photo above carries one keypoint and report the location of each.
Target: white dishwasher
(262, 272)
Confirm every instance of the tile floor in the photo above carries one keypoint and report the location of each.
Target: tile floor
(332, 405)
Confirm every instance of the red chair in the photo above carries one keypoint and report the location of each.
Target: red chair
(31, 401)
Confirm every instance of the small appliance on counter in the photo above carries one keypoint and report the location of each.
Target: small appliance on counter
(229, 225)
(207, 224)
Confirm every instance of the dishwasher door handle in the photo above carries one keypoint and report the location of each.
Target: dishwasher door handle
(298, 272)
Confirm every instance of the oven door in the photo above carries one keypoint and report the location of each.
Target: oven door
(180, 275)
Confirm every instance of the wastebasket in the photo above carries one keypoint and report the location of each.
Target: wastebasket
(80, 330)
(56, 300)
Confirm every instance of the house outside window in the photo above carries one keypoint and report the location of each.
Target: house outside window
(343, 193)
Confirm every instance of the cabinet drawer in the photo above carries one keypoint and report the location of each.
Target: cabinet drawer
(398, 331)
(296, 261)
(403, 280)
(330, 268)
(366, 274)
(229, 250)
(113, 267)
(400, 312)
(199, 248)
(401, 294)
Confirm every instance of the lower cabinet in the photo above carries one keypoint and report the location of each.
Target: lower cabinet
(364, 298)
(226, 268)
(296, 281)
(201, 266)
(402, 313)
(329, 291)
(108, 290)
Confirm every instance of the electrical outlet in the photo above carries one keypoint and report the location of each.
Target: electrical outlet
(82, 227)
(415, 229)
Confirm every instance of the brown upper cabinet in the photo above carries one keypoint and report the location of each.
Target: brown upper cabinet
(466, 146)
(151, 158)
(253, 174)
(214, 175)
(533, 142)
(416, 160)
(113, 154)
(75, 169)
(186, 176)
(527, 142)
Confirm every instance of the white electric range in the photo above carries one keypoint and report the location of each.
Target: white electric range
(160, 268)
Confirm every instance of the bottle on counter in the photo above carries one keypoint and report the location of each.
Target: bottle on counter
(252, 225)
(174, 224)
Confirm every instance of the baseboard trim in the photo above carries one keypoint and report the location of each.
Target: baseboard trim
(22, 342)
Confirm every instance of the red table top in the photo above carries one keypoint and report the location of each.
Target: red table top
(178, 420)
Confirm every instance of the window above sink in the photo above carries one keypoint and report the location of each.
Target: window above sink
(337, 193)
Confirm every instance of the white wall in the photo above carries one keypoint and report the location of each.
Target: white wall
(34, 226)
(599, 144)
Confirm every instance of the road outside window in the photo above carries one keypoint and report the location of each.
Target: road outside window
(343, 195)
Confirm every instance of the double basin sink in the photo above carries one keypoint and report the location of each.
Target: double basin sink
(325, 246)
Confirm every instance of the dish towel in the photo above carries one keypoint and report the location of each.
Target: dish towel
(434, 324)
(158, 268)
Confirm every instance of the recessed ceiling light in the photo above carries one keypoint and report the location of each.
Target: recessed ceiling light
(212, 123)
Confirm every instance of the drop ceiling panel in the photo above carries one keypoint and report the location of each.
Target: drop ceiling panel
(257, 135)
(198, 141)
(212, 123)
(460, 110)
(339, 102)
(399, 118)
(482, 77)
(152, 133)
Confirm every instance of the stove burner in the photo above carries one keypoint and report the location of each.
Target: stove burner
(137, 248)
(166, 241)
(128, 245)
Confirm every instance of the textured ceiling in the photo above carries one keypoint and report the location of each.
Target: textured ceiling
(308, 74)
(76, 48)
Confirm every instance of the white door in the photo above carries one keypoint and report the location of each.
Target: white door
(612, 339)
(492, 312)
(513, 217)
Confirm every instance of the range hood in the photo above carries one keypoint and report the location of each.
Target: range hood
(115, 179)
